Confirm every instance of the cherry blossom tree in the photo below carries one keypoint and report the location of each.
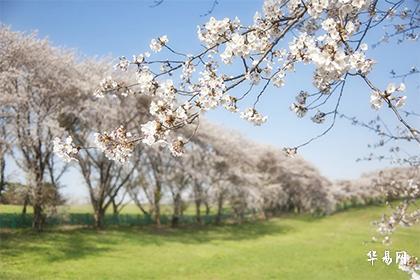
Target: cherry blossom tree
(105, 179)
(237, 168)
(38, 82)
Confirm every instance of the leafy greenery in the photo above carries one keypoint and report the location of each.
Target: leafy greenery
(289, 247)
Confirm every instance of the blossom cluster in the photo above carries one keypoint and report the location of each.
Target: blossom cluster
(299, 107)
(410, 265)
(253, 116)
(377, 97)
(177, 146)
(117, 145)
(110, 86)
(215, 31)
(157, 44)
(67, 150)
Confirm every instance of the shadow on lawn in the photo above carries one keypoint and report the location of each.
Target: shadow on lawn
(57, 244)
(52, 245)
(211, 233)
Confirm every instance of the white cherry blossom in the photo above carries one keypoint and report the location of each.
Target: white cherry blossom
(66, 150)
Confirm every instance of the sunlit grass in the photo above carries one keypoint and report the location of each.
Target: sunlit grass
(289, 247)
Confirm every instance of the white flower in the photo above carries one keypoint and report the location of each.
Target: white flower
(254, 77)
(117, 145)
(214, 31)
(188, 69)
(290, 152)
(253, 116)
(149, 130)
(139, 59)
(350, 27)
(236, 46)
(106, 85)
(364, 47)
(182, 113)
(153, 132)
(156, 44)
(145, 81)
(299, 109)
(391, 88)
(328, 24)
(177, 147)
(316, 7)
(376, 100)
(230, 103)
(212, 90)
(319, 117)
(401, 87)
(66, 150)
(400, 101)
(166, 90)
(123, 64)
(410, 265)
(301, 97)
(278, 79)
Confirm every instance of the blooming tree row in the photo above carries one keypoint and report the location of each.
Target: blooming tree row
(218, 168)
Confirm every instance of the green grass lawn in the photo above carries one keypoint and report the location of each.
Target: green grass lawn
(290, 247)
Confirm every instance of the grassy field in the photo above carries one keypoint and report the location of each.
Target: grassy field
(290, 247)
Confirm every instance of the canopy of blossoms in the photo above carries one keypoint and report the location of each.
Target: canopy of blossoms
(327, 34)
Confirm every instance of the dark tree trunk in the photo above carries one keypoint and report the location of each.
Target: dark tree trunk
(177, 210)
(156, 205)
(114, 207)
(175, 221)
(219, 209)
(2, 169)
(157, 215)
(39, 218)
(198, 211)
(207, 208)
(25, 204)
(99, 218)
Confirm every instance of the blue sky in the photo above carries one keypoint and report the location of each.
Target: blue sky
(99, 28)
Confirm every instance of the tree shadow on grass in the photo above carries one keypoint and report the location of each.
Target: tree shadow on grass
(52, 245)
(58, 244)
(194, 234)
(307, 218)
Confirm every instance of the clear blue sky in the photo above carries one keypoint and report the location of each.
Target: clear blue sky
(99, 28)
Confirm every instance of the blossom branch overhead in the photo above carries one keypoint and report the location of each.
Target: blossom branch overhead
(328, 34)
